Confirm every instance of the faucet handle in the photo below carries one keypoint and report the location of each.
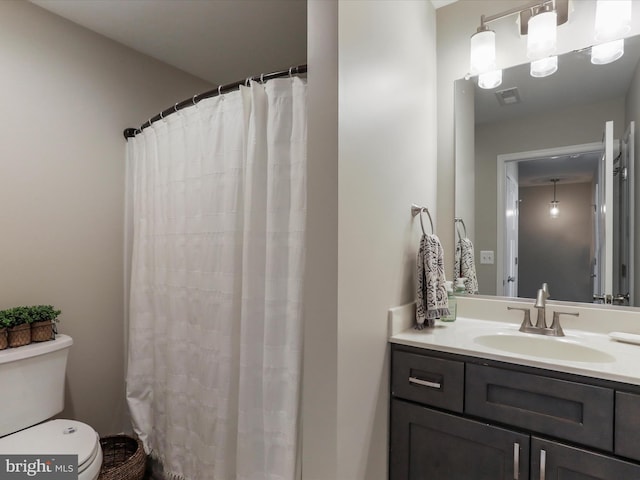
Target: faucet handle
(556, 315)
(555, 325)
(526, 321)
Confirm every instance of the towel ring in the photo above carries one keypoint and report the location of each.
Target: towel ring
(416, 210)
(459, 220)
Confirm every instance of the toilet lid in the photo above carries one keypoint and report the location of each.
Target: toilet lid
(55, 437)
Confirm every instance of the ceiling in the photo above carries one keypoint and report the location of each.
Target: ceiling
(220, 41)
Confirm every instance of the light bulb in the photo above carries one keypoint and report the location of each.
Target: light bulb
(554, 210)
(544, 67)
(607, 52)
(542, 35)
(613, 19)
(490, 79)
(483, 52)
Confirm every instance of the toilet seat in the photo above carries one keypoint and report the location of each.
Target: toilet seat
(58, 437)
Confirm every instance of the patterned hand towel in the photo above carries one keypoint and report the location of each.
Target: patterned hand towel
(465, 265)
(431, 292)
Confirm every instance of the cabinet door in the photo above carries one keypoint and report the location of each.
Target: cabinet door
(431, 445)
(554, 461)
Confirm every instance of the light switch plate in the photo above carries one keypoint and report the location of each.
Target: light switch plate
(486, 257)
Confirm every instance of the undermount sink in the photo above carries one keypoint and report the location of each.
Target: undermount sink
(547, 347)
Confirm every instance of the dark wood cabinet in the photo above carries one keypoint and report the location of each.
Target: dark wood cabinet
(554, 461)
(462, 418)
(429, 444)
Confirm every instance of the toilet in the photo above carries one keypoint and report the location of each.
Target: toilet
(25, 428)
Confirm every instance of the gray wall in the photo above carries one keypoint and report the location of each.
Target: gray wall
(569, 126)
(556, 250)
(67, 95)
(633, 114)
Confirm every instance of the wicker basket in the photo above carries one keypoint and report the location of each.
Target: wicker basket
(20, 335)
(4, 342)
(123, 458)
(42, 331)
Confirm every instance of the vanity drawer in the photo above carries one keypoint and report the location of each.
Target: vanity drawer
(432, 381)
(627, 425)
(563, 409)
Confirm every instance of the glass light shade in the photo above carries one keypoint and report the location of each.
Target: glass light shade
(544, 67)
(542, 36)
(483, 52)
(613, 19)
(607, 52)
(490, 79)
(554, 210)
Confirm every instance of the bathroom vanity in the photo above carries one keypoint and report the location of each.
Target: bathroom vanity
(463, 411)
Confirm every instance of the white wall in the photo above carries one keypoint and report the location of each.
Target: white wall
(385, 161)
(456, 23)
(67, 96)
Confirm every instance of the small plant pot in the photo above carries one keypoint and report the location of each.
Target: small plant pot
(20, 335)
(42, 331)
(4, 342)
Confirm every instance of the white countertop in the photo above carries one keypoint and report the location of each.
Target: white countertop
(459, 337)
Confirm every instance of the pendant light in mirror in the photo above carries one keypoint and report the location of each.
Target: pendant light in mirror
(554, 208)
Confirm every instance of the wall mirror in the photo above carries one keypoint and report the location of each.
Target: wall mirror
(567, 138)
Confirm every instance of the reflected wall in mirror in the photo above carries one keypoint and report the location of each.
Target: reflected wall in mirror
(576, 127)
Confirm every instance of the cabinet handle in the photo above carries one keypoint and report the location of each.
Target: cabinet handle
(424, 383)
(543, 464)
(516, 461)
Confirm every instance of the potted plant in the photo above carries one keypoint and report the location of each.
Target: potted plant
(18, 324)
(4, 343)
(42, 318)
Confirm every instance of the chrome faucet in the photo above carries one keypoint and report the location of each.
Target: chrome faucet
(540, 327)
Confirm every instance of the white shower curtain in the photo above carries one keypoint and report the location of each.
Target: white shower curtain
(215, 328)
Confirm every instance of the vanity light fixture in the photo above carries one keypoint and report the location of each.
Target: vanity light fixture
(554, 209)
(539, 20)
(613, 22)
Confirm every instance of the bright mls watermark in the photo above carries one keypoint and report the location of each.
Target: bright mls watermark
(38, 467)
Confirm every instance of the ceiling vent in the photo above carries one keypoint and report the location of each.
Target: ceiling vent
(508, 96)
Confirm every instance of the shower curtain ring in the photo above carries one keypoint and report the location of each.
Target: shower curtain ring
(193, 100)
(175, 108)
(219, 90)
(290, 68)
(262, 78)
(161, 116)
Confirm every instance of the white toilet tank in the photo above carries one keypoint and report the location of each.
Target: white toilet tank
(32, 383)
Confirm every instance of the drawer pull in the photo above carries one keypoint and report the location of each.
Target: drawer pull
(516, 461)
(424, 383)
(543, 464)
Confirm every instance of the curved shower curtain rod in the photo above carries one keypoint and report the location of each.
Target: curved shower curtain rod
(298, 70)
